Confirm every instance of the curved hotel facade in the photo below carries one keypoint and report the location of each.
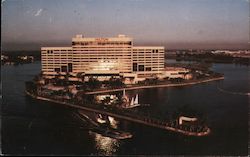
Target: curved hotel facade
(103, 58)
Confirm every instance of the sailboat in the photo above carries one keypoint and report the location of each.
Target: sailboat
(136, 99)
(126, 99)
(133, 103)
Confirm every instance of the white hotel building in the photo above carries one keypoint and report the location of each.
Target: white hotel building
(103, 58)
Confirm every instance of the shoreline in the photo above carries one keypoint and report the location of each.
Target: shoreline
(169, 128)
(156, 86)
(91, 109)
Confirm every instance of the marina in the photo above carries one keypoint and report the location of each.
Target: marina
(170, 126)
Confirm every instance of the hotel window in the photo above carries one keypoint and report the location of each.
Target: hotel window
(141, 67)
(148, 69)
(64, 68)
(49, 51)
(57, 69)
(134, 66)
(69, 67)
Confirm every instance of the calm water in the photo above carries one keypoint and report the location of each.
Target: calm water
(35, 127)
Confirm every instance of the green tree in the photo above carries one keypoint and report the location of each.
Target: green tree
(93, 83)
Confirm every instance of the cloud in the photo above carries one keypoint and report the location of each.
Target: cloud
(39, 12)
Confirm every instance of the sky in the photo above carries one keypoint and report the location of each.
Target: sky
(175, 24)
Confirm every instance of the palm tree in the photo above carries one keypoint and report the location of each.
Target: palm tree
(94, 83)
(66, 78)
(80, 76)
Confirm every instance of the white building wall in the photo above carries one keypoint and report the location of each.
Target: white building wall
(148, 61)
(102, 54)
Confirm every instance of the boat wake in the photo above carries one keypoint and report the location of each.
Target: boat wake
(232, 92)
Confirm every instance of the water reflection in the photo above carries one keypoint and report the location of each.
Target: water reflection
(105, 145)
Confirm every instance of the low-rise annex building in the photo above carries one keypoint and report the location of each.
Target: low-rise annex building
(176, 72)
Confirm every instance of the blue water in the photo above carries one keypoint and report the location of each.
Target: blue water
(35, 127)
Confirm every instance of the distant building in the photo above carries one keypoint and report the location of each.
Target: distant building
(103, 58)
(234, 53)
(3, 57)
(26, 58)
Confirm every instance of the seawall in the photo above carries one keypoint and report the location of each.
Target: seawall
(156, 86)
